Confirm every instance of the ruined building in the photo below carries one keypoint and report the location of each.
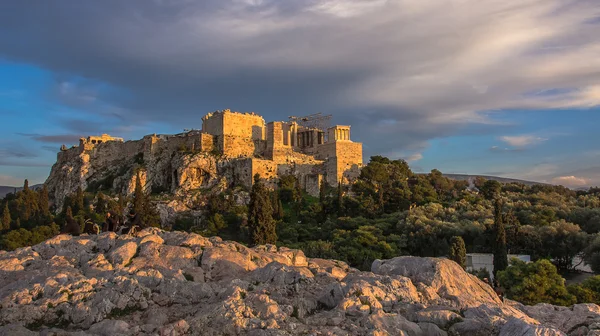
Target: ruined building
(229, 150)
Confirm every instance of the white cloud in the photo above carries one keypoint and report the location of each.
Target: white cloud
(522, 140)
(571, 181)
(414, 157)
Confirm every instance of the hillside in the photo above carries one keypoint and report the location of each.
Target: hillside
(175, 283)
(466, 177)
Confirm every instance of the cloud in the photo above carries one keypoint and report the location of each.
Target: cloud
(428, 68)
(55, 139)
(497, 149)
(414, 157)
(522, 140)
(571, 181)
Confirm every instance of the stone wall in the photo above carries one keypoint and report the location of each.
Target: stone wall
(234, 123)
(235, 146)
(343, 160)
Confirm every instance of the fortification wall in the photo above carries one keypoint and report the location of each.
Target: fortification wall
(235, 124)
(267, 170)
(244, 124)
(235, 146)
(105, 153)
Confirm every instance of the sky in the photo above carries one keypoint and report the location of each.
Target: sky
(497, 87)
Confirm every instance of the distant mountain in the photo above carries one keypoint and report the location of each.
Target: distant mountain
(6, 189)
(466, 177)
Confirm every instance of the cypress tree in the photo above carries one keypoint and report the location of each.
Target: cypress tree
(260, 215)
(322, 192)
(458, 251)
(100, 204)
(138, 196)
(26, 185)
(18, 224)
(69, 213)
(43, 202)
(6, 220)
(277, 206)
(340, 202)
(78, 201)
(500, 250)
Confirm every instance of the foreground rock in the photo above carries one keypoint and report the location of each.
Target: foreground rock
(174, 283)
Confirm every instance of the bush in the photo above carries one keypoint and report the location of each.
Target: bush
(536, 282)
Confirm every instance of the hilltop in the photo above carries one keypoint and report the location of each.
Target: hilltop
(468, 177)
(175, 283)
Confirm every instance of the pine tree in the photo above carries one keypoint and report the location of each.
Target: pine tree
(458, 251)
(500, 251)
(6, 220)
(43, 202)
(26, 185)
(260, 215)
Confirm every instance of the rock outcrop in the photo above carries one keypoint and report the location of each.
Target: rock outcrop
(175, 283)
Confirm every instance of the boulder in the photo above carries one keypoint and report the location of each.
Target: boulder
(444, 277)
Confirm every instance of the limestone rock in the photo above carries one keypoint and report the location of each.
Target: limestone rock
(175, 283)
(447, 279)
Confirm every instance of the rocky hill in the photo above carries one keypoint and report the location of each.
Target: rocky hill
(175, 283)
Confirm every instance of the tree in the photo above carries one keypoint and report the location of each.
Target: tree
(6, 220)
(139, 198)
(215, 224)
(458, 251)
(535, 282)
(78, 201)
(26, 185)
(260, 215)
(278, 212)
(43, 202)
(69, 213)
(500, 252)
(340, 199)
(592, 254)
(322, 191)
(491, 189)
(100, 204)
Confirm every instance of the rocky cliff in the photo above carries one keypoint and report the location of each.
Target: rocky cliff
(174, 283)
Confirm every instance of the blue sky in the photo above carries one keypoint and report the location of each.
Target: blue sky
(509, 88)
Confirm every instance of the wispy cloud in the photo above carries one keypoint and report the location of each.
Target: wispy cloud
(522, 140)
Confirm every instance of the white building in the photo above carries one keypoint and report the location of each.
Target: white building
(477, 261)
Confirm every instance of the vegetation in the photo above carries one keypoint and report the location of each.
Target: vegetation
(458, 251)
(388, 211)
(260, 215)
(532, 283)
